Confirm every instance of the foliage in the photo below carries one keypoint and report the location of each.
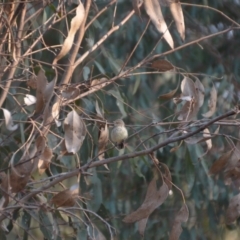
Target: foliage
(170, 70)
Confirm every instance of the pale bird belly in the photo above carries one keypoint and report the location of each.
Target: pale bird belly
(119, 134)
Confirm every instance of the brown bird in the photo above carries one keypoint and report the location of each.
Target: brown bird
(119, 133)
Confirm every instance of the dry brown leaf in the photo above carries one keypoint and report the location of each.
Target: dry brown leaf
(182, 216)
(220, 164)
(136, 7)
(212, 103)
(55, 113)
(103, 137)
(103, 134)
(75, 25)
(20, 175)
(75, 132)
(154, 11)
(44, 160)
(41, 85)
(167, 175)
(188, 87)
(178, 17)
(154, 198)
(168, 95)
(234, 160)
(189, 93)
(142, 225)
(162, 65)
(233, 210)
(64, 199)
(40, 144)
(200, 91)
(48, 92)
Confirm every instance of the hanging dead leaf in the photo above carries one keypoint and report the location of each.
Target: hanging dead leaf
(176, 10)
(75, 132)
(207, 136)
(233, 210)
(220, 164)
(40, 144)
(167, 175)
(44, 160)
(64, 199)
(20, 175)
(234, 160)
(103, 134)
(41, 85)
(75, 25)
(48, 92)
(182, 216)
(55, 113)
(9, 121)
(154, 198)
(189, 94)
(200, 90)
(154, 11)
(162, 65)
(142, 225)
(211, 103)
(168, 95)
(103, 137)
(188, 88)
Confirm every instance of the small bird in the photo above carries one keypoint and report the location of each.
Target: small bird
(119, 133)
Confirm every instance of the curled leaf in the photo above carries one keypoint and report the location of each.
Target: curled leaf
(75, 132)
(9, 121)
(168, 95)
(75, 25)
